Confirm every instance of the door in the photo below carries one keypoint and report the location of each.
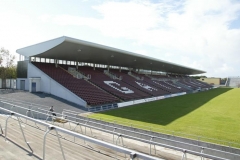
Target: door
(33, 86)
(22, 84)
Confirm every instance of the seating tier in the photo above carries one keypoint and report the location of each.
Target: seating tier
(114, 86)
(88, 92)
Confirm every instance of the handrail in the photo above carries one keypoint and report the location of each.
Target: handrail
(142, 134)
(133, 154)
(144, 140)
(23, 102)
(70, 111)
(62, 115)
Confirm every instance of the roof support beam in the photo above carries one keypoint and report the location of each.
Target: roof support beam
(56, 64)
(77, 65)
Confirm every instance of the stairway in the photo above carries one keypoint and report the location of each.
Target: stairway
(134, 76)
(112, 75)
(34, 136)
(77, 74)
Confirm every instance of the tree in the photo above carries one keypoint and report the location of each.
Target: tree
(7, 67)
(6, 59)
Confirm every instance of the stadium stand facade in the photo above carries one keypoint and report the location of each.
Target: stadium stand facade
(233, 82)
(89, 74)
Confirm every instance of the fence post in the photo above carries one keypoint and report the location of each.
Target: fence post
(24, 134)
(6, 124)
(133, 156)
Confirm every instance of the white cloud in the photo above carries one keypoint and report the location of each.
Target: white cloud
(45, 18)
(13, 28)
(194, 33)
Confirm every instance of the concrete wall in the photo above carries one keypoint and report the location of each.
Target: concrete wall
(13, 83)
(214, 81)
(22, 69)
(8, 83)
(38, 84)
(129, 103)
(26, 83)
(234, 82)
(50, 86)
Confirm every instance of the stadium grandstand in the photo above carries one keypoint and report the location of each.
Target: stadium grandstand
(95, 77)
(90, 74)
(233, 82)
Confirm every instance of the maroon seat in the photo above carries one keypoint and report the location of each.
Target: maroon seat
(141, 84)
(116, 87)
(88, 92)
(163, 85)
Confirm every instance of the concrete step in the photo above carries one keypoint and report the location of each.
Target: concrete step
(9, 150)
(35, 137)
(81, 151)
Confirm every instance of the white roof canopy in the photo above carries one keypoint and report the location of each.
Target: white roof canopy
(66, 48)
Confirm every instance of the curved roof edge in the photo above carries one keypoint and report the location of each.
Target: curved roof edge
(44, 47)
(40, 47)
(73, 40)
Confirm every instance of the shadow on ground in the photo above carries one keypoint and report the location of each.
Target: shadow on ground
(7, 91)
(44, 99)
(45, 95)
(165, 111)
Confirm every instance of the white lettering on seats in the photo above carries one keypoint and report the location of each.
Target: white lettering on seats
(121, 89)
(146, 86)
(161, 85)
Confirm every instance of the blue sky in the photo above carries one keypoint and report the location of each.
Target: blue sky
(202, 34)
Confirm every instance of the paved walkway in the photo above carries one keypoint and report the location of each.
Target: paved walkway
(43, 99)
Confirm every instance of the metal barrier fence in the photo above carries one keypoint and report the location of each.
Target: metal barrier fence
(114, 106)
(50, 127)
(103, 108)
(150, 140)
(29, 104)
(171, 132)
(129, 123)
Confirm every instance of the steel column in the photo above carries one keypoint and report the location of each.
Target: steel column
(184, 155)
(151, 146)
(44, 141)
(60, 144)
(202, 158)
(6, 122)
(24, 134)
(1, 129)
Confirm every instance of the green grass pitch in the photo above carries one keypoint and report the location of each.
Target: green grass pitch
(212, 116)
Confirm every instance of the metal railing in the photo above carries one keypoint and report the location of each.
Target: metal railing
(129, 123)
(103, 108)
(133, 154)
(120, 130)
(150, 139)
(22, 102)
(169, 132)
